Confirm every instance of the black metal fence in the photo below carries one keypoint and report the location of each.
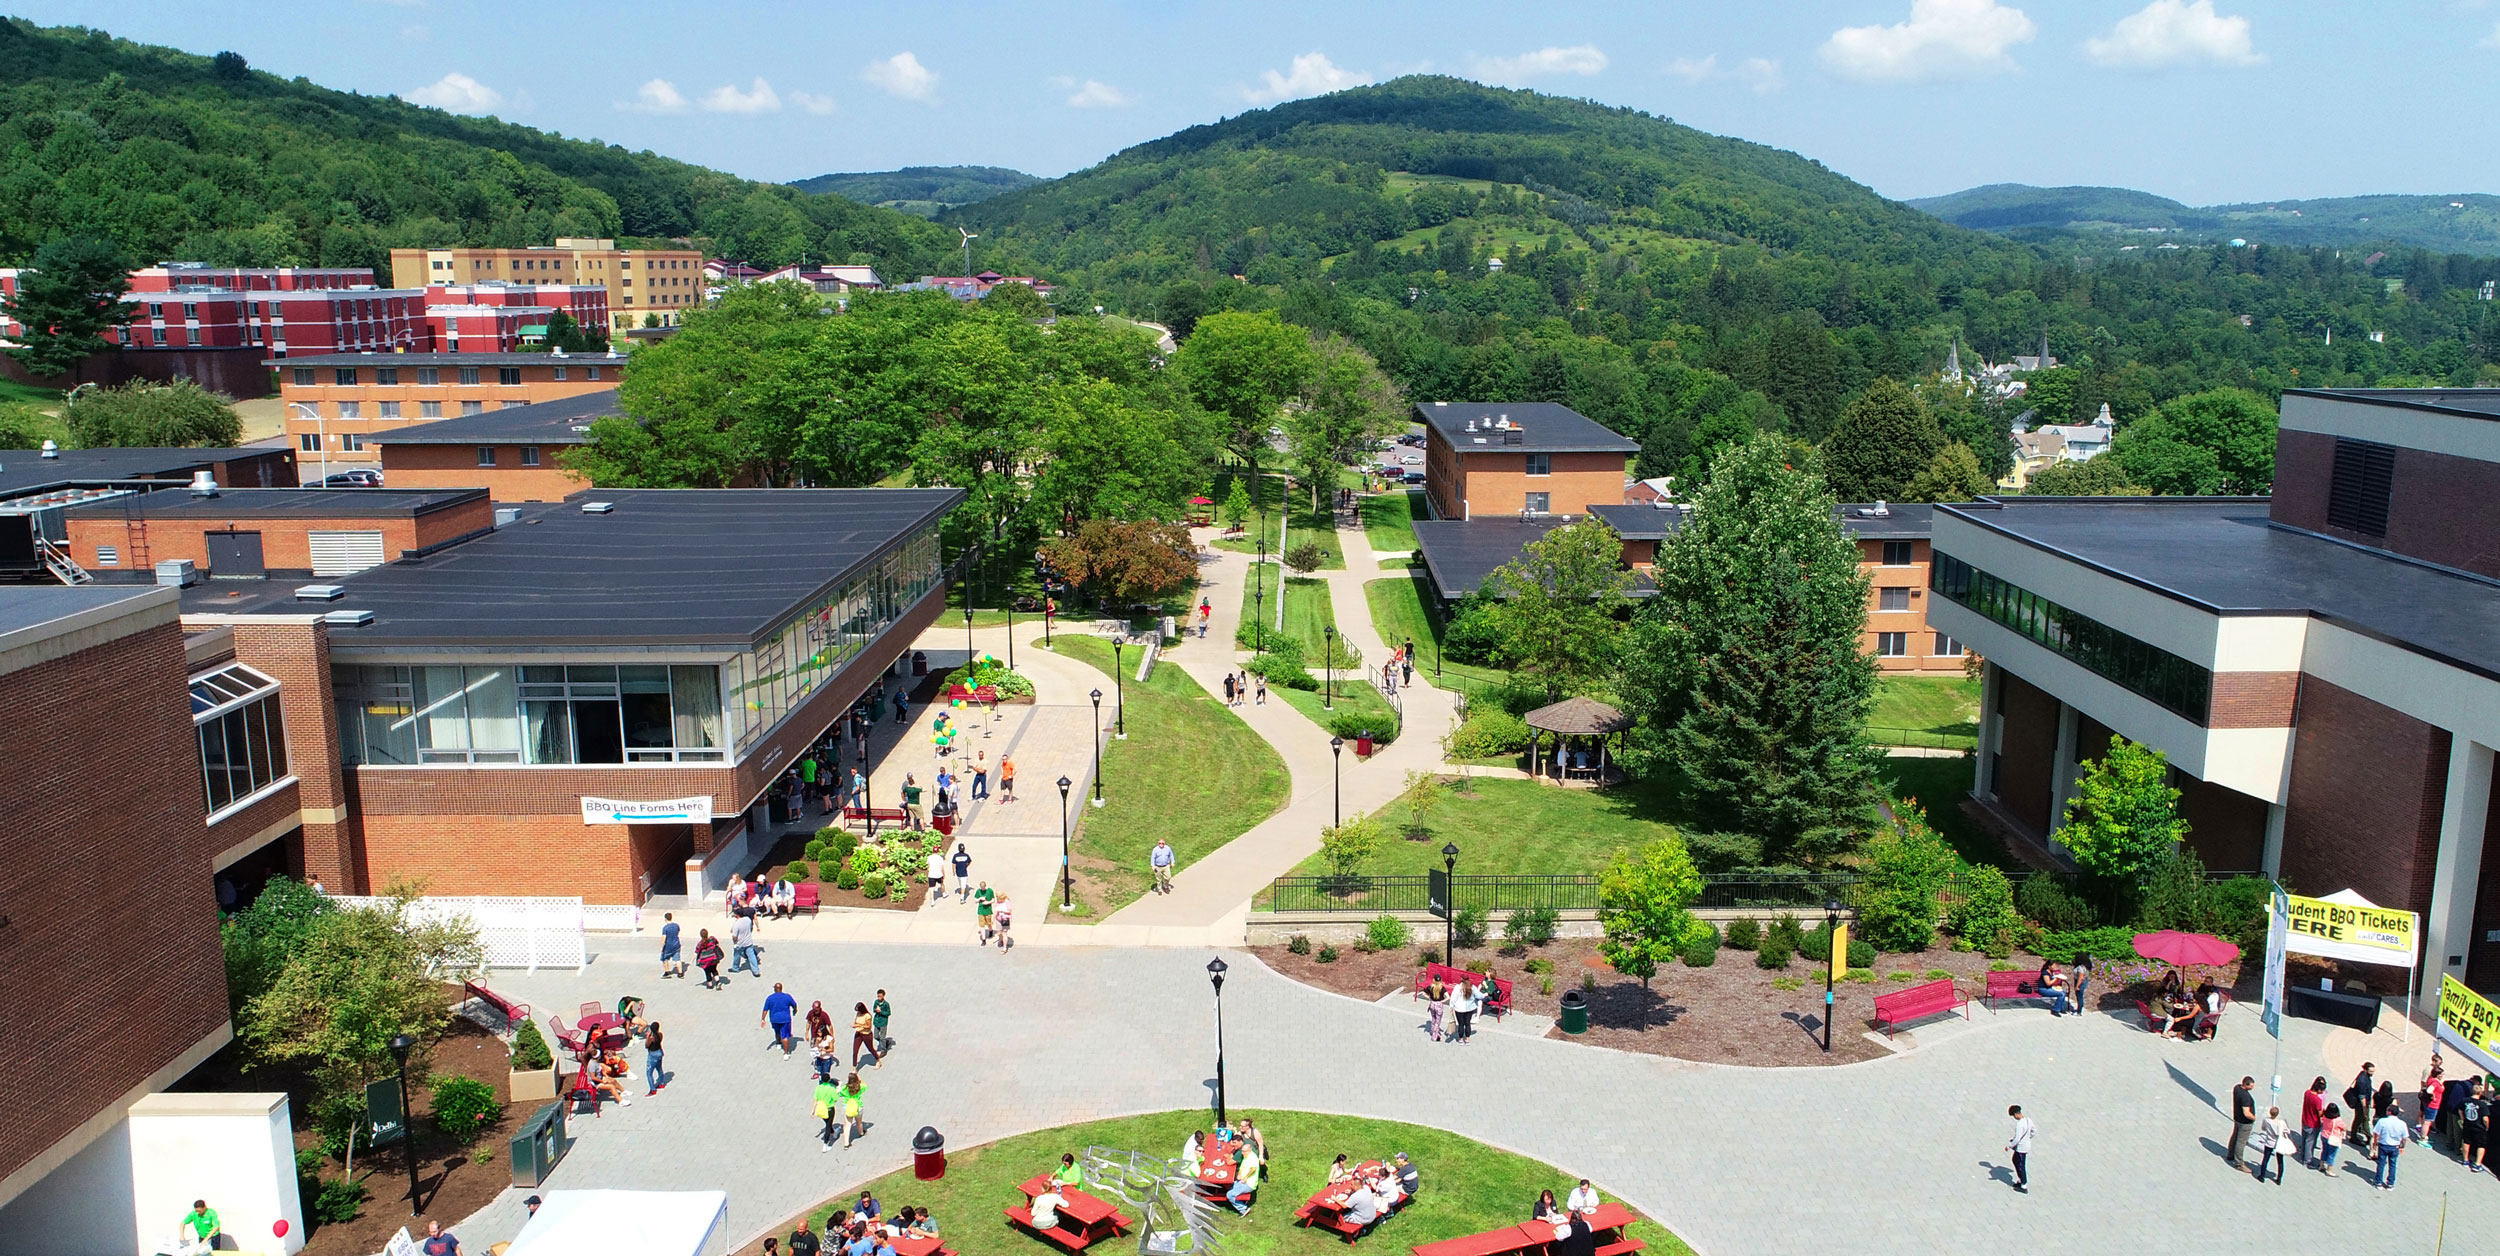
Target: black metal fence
(1373, 895)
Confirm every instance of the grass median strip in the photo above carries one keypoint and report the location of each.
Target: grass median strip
(1516, 827)
(1402, 614)
(1389, 519)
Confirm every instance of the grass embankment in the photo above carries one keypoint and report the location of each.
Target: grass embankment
(1939, 711)
(1939, 786)
(1309, 614)
(1183, 747)
(1304, 525)
(1389, 519)
(1468, 1188)
(47, 398)
(1517, 828)
(1402, 611)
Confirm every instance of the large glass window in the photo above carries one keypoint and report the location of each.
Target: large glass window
(535, 713)
(767, 683)
(242, 737)
(2175, 683)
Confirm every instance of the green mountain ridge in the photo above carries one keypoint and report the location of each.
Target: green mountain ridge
(175, 155)
(2461, 223)
(923, 190)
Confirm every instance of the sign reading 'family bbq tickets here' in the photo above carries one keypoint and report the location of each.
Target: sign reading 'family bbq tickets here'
(2469, 1022)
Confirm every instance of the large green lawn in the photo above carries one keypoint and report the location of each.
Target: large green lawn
(1517, 827)
(1940, 711)
(1939, 786)
(1403, 612)
(11, 390)
(1389, 519)
(1305, 525)
(1468, 1188)
(1182, 744)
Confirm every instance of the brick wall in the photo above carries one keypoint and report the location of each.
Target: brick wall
(2368, 783)
(285, 541)
(455, 466)
(1912, 623)
(2443, 509)
(106, 986)
(2226, 828)
(297, 656)
(1495, 482)
(2253, 700)
(2027, 749)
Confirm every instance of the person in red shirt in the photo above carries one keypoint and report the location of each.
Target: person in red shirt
(2312, 1115)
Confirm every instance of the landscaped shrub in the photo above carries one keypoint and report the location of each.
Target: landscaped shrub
(1470, 636)
(529, 1048)
(1281, 670)
(1530, 926)
(1773, 953)
(464, 1107)
(838, 844)
(1467, 927)
(872, 886)
(847, 879)
(1984, 916)
(1387, 933)
(1703, 950)
(1353, 724)
(862, 860)
(904, 889)
(1299, 944)
(1275, 647)
(1328, 955)
(2240, 907)
(1817, 946)
(798, 871)
(1861, 954)
(1539, 965)
(1905, 871)
(2113, 942)
(338, 1200)
(1744, 935)
(2050, 905)
(1786, 931)
(1489, 733)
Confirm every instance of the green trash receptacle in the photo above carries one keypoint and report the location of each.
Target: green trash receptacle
(539, 1145)
(1575, 1013)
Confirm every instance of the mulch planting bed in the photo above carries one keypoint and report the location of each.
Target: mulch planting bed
(1728, 1013)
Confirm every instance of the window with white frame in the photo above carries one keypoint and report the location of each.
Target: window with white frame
(1947, 647)
(1892, 645)
(1896, 598)
(242, 738)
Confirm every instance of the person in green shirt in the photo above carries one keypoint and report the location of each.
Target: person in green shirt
(202, 1222)
(1068, 1174)
(852, 1093)
(882, 1012)
(911, 801)
(984, 902)
(1245, 1180)
(828, 1109)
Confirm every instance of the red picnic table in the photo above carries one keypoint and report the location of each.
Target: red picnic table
(1328, 1206)
(920, 1245)
(1533, 1238)
(1084, 1222)
(1216, 1170)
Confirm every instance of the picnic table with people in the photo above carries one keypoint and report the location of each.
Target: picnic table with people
(1356, 1198)
(1066, 1215)
(1599, 1230)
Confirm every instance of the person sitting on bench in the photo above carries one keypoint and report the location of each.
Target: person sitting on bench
(1363, 1209)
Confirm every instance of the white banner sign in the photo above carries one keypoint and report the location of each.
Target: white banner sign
(2278, 934)
(695, 810)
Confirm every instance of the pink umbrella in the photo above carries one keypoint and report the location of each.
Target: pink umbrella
(1201, 501)
(2173, 947)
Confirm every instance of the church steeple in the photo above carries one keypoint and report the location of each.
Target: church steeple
(2045, 360)
(1953, 360)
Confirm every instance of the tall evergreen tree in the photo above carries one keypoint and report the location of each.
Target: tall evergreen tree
(1744, 671)
(71, 294)
(1885, 438)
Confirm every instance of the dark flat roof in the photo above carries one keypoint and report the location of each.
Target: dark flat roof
(314, 503)
(1899, 522)
(1548, 428)
(720, 567)
(2479, 403)
(1460, 553)
(24, 470)
(564, 421)
(1641, 521)
(2224, 556)
(449, 359)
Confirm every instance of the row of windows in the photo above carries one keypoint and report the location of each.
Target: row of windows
(536, 713)
(2176, 684)
(385, 409)
(486, 455)
(242, 739)
(1895, 645)
(427, 376)
(767, 683)
(310, 442)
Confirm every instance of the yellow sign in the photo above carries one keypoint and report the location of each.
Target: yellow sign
(1840, 951)
(2382, 935)
(2470, 1020)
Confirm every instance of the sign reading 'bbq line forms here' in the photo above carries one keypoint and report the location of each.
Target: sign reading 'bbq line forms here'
(695, 810)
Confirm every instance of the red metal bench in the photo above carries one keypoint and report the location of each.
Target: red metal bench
(2012, 985)
(806, 898)
(1496, 1002)
(892, 816)
(1936, 996)
(513, 1012)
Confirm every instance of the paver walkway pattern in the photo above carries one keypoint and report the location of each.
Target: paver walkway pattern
(1894, 1155)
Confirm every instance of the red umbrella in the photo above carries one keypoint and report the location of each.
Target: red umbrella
(1201, 501)
(2173, 947)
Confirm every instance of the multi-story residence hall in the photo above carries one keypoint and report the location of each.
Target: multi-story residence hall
(2321, 668)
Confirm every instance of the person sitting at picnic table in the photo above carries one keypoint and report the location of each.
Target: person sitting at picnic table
(1546, 1208)
(922, 1224)
(1384, 1186)
(1245, 1180)
(1409, 1177)
(1583, 1198)
(1046, 1208)
(1340, 1170)
(1363, 1209)
(1067, 1174)
(2182, 1016)
(1194, 1153)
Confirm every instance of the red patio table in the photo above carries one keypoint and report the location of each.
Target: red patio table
(925, 1245)
(1327, 1206)
(1084, 1222)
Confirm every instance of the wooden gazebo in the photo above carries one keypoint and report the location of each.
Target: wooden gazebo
(1569, 719)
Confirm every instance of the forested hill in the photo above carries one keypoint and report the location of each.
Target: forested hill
(2466, 222)
(924, 190)
(176, 155)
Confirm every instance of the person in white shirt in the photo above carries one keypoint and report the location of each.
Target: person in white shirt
(937, 874)
(2019, 1146)
(1386, 1187)
(785, 897)
(2390, 1133)
(1583, 1198)
(1046, 1208)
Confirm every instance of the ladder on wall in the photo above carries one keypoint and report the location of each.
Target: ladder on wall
(58, 561)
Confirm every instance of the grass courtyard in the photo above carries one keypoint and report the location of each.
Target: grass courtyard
(1939, 786)
(1518, 827)
(1182, 743)
(1309, 614)
(1403, 612)
(1467, 1187)
(1389, 519)
(1941, 711)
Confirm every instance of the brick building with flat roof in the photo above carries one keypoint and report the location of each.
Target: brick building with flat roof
(660, 284)
(511, 453)
(336, 403)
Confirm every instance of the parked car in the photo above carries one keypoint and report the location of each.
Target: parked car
(1414, 476)
(1411, 460)
(359, 478)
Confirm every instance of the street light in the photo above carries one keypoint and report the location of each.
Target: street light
(1067, 874)
(1119, 687)
(1831, 929)
(1336, 794)
(1098, 747)
(1215, 974)
(401, 1045)
(1329, 669)
(1449, 910)
(1258, 587)
(970, 653)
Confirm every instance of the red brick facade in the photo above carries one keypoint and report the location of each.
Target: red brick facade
(297, 656)
(2368, 784)
(511, 479)
(285, 540)
(2026, 750)
(2253, 700)
(2443, 509)
(115, 968)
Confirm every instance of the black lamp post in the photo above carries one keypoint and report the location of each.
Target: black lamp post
(401, 1045)
(1119, 688)
(969, 653)
(1067, 874)
(1098, 747)
(1258, 592)
(1449, 917)
(1215, 975)
(1831, 929)
(1336, 792)
(1329, 668)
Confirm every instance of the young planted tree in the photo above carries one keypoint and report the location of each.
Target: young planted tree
(70, 292)
(1306, 557)
(1424, 791)
(2123, 819)
(1350, 848)
(1884, 439)
(1558, 606)
(1744, 672)
(1237, 508)
(1642, 899)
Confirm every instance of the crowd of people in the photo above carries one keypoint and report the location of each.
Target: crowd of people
(1244, 1145)
(2371, 1118)
(1450, 1012)
(838, 1107)
(1378, 1192)
(863, 1229)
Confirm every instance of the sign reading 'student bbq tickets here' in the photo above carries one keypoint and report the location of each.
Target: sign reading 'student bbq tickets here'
(2382, 935)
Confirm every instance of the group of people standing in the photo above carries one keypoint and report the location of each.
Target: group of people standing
(2372, 1117)
(1450, 1012)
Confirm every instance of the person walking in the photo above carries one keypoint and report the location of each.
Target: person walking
(911, 801)
(963, 873)
(2331, 1129)
(984, 907)
(2389, 1133)
(1006, 916)
(859, 789)
(1161, 860)
(863, 1034)
(779, 1009)
(2243, 1120)
(828, 1109)
(1006, 778)
(1262, 683)
(654, 1077)
(707, 957)
(1436, 1008)
(1463, 1004)
(853, 1094)
(2357, 1102)
(2312, 1115)
(671, 962)
(2272, 1136)
(1228, 688)
(742, 945)
(2019, 1147)
(980, 775)
(937, 874)
(883, 1012)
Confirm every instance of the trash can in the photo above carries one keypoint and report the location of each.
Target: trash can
(1363, 745)
(1575, 1013)
(779, 808)
(539, 1145)
(928, 1154)
(919, 663)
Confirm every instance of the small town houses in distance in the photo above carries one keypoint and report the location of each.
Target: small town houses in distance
(975, 287)
(1499, 475)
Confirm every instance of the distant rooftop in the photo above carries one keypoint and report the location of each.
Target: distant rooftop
(2481, 403)
(24, 470)
(450, 359)
(33, 612)
(563, 421)
(1543, 427)
(278, 503)
(1910, 521)
(1641, 521)
(1460, 553)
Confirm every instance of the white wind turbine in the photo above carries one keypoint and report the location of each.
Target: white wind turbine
(968, 239)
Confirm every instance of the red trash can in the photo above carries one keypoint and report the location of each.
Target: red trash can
(1363, 746)
(928, 1154)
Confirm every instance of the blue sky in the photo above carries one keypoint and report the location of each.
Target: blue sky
(2203, 100)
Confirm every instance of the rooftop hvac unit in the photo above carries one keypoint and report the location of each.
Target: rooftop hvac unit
(598, 508)
(177, 573)
(320, 592)
(203, 484)
(348, 619)
(507, 515)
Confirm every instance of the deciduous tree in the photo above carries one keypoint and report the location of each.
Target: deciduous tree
(1642, 899)
(1346, 404)
(2232, 427)
(2124, 816)
(1558, 606)
(1125, 561)
(1954, 476)
(2103, 476)
(1884, 439)
(143, 415)
(1243, 367)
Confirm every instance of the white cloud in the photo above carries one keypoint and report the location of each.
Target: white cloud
(1095, 94)
(458, 93)
(1943, 39)
(902, 75)
(416, 33)
(812, 103)
(2174, 32)
(1761, 75)
(1313, 74)
(657, 96)
(726, 98)
(1582, 59)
